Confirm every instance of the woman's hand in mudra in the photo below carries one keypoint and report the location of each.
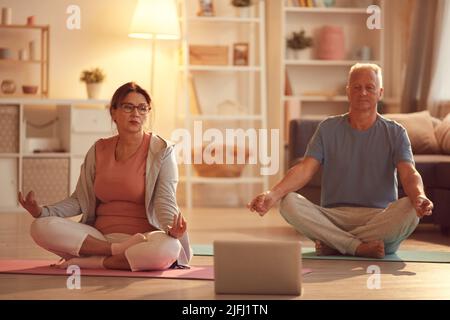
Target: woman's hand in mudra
(30, 204)
(178, 227)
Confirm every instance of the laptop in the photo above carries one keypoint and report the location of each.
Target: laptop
(257, 267)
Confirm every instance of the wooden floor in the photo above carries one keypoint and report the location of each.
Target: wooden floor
(329, 280)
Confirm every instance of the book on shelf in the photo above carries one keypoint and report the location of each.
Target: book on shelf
(319, 3)
(308, 3)
(291, 108)
(288, 87)
(193, 97)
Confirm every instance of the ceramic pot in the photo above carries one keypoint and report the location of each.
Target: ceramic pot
(8, 86)
(30, 89)
(93, 90)
(243, 12)
(5, 53)
(331, 43)
(6, 16)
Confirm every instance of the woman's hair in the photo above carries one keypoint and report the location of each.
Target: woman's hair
(123, 91)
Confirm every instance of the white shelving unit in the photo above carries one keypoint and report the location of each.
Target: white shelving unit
(244, 84)
(318, 86)
(75, 138)
(23, 72)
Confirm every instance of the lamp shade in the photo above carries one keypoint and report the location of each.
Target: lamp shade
(155, 18)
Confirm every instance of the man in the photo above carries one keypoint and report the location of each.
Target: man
(360, 153)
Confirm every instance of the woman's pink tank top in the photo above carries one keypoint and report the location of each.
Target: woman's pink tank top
(120, 188)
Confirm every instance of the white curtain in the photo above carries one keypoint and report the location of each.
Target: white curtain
(440, 82)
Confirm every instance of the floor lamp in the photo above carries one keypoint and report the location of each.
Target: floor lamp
(154, 20)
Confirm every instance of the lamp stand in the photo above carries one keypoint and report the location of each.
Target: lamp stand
(153, 40)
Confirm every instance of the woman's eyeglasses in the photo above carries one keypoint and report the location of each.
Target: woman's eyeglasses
(142, 108)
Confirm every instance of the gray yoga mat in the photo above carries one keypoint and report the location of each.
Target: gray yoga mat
(401, 255)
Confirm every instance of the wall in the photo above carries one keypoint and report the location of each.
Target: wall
(102, 42)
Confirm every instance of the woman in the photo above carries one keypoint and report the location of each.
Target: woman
(127, 194)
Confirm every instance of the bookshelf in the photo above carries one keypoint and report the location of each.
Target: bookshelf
(316, 87)
(206, 87)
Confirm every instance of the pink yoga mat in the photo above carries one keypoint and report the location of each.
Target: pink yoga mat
(43, 267)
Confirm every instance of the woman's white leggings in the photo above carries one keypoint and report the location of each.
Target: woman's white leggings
(65, 237)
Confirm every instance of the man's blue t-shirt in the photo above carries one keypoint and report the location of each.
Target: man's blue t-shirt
(359, 167)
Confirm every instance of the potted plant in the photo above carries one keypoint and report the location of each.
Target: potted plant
(242, 6)
(299, 42)
(93, 79)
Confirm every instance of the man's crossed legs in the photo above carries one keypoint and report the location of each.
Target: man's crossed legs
(366, 232)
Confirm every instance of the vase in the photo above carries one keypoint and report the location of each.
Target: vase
(5, 53)
(93, 90)
(362, 3)
(331, 43)
(243, 12)
(8, 86)
(6, 16)
(303, 54)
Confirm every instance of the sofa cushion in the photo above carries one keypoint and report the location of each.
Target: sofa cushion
(419, 127)
(300, 133)
(435, 122)
(442, 132)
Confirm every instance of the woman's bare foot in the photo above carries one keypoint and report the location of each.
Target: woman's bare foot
(58, 264)
(94, 262)
(120, 247)
(372, 249)
(323, 250)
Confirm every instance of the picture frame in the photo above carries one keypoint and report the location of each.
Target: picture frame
(240, 54)
(206, 8)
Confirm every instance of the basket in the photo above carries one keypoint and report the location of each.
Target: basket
(208, 55)
(221, 170)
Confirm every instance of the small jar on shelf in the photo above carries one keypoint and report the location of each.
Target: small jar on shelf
(243, 8)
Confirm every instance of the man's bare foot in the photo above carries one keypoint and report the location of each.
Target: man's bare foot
(372, 249)
(323, 250)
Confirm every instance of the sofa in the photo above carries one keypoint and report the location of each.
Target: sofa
(433, 163)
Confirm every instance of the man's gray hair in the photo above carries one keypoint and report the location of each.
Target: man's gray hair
(368, 66)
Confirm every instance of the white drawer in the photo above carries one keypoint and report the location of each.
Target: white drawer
(91, 120)
(81, 142)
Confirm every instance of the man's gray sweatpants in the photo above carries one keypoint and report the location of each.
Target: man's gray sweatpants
(345, 228)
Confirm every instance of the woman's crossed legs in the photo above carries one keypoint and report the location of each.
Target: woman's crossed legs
(85, 246)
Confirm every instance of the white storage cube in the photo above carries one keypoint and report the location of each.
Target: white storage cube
(9, 129)
(91, 120)
(9, 179)
(47, 177)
